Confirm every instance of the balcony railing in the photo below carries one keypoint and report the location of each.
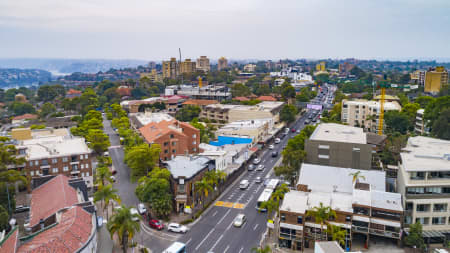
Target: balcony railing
(360, 229)
(291, 236)
(385, 233)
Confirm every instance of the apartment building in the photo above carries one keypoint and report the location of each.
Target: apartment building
(170, 69)
(362, 207)
(185, 171)
(203, 64)
(424, 182)
(154, 76)
(421, 125)
(364, 113)
(435, 78)
(222, 63)
(249, 67)
(210, 92)
(140, 119)
(55, 152)
(202, 103)
(187, 66)
(339, 145)
(174, 137)
(256, 129)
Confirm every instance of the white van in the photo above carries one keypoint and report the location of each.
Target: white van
(244, 184)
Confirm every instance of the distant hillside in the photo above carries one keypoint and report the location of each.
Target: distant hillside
(23, 77)
(68, 66)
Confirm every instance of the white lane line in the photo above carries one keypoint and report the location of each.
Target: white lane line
(214, 214)
(229, 226)
(206, 237)
(215, 244)
(190, 239)
(224, 216)
(242, 248)
(255, 227)
(226, 249)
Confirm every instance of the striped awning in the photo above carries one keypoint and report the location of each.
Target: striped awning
(435, 233)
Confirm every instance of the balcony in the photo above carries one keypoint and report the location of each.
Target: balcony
(385, 233)
(360, 229)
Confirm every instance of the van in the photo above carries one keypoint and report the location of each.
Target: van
(244, 184)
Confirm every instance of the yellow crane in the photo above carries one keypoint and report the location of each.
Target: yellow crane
(381, 118)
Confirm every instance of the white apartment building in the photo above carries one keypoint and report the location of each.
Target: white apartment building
(256, 129)
(420, 126)
(365, 113)
(424, 182)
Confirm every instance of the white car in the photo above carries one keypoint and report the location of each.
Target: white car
(244, 184)
(260, 167)
(256, 161)
(177, 228)
(141, 208)
(134, 211)
(239, 220)
(277, 140)
(271, 146)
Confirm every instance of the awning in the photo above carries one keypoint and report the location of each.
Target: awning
(342, 225)
(385, 222)
(361, 218)
(315, 225)
(291, 226)
(435, 233)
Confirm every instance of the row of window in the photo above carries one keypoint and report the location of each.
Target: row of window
(427, 190)
(44, 162)
(426, 220)
(441, 207)
(65, 169)
(430, 175)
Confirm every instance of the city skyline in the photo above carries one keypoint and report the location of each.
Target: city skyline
(404, 30)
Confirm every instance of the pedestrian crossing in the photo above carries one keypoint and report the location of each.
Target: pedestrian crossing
(230, 204)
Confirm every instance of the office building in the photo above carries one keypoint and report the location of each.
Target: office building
(249, 67)
(364, 113)
(203, 64)
(222, 63)
(339, 145)
(424, 182)
(321, 67)
(170, 69)
(256, 129)
(187, 66)
(362, 207)
(435, 78)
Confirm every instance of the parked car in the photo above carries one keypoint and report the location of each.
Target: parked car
(260, 167)
(134, 211)
(293, 130)
(274, 154)
(21, 209)
(141, 208)
(258, 180)
(106, 153)
(156, 224)
(256, 161)
(113, 171)
(307, 122)
(244, 184)
(177, 228)
(239, 220)
(251, 167)
(277, 140)
(113, 179)
(271, 146)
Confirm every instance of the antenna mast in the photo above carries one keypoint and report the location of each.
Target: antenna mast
(179, 50)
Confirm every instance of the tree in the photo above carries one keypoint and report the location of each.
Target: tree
(287, 91)
(240, 90)
(50, 92)
(88, 101)
(396, 122)
(266, 249)
(4, 219)
(434, 109)
(337, 233)
(19, 108)
(155, 190)
(47, 109)
(356, 176)
(102, 174)
(188, 113)
(415, 238)
(441, 127)
(142, 159)
(321, 215)
(123, 224)
(98, 140)
(105, 194)
(423, 101)
(204, 187)
(287, 113)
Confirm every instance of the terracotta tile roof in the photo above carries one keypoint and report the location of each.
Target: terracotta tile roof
(241, 99)
(25, 116)
(124, 91)
(72, 232)
(154, 130)
(50, 197)
(266, 98)
(200, 102)
(72, 92)
(9, 244)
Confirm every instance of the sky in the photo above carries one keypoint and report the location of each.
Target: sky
(236, 29)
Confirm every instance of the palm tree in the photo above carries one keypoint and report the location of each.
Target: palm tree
(204, 187)
(221, 175)
(270, 205)
(356, 176)
(125, 225)
(267, 249)
(321, 214)
(337, 234)
(212, 177)
(102, 173)
(106, 194)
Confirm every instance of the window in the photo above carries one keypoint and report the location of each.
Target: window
(423, 220)
(44, 162)
(87, 174)
(166, 151)
(174, 150)
(87, 165)
(37, 172)
(65, 159)
(36, 163)
(82, 174)
(54, 160)
(31, 163)
(32, 173)
(194, 142)
(86, 156)
(409, 206)
(283, 217)
(194, 136)
(324, 146)
(81, 157)
(418, 175)
(55, 170)
(166, 143)
(323, 156)
(65, 168)
(423, 207)
(440, 207)
(300, 219)
(194, 150)
(174, 143)
(438, 220)
(171, 136)
(82, 166)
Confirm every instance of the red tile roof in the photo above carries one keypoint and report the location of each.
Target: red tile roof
(9, 244)
(266, 98)
(72, 232)
(25, 116)
(124, 91)
(50, 197)
(155, 130)
(72, 92)
(200, 102)
(241, 99)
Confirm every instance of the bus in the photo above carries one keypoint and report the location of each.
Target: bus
(273, 184)
(176, 247)
(265, 196)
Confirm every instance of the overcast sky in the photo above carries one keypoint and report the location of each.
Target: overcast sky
(238, 29)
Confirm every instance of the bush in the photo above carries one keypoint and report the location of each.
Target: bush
(186, 221)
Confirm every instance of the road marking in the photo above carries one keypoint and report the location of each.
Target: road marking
(229, 226)
(242, 248)
(226, 249)
(215, 244)
(255, 227)
(117, 146)
(206, 237)
(219, 203)
(214, 214)
(191, 239)
(228, 204)
(239, 205)
(224, 216)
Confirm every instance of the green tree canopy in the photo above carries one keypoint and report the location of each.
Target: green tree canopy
(99, 141)
(142, 159)
(240, 90)
(415, 238)
(396, 122)
(47, 109)
(188, 113)
(123, 224)
(19, 108)
(288, 113)
(50, 92)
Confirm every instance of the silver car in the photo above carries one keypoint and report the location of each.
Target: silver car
(239, 220)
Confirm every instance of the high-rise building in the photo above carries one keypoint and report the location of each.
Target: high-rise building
(222, 63)
(321, 66)
(250, 67)
(203, 64)
(171, 68)
(187, 66)
(435, 78)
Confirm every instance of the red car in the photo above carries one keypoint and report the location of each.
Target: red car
(156, 224)
(293, 130)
